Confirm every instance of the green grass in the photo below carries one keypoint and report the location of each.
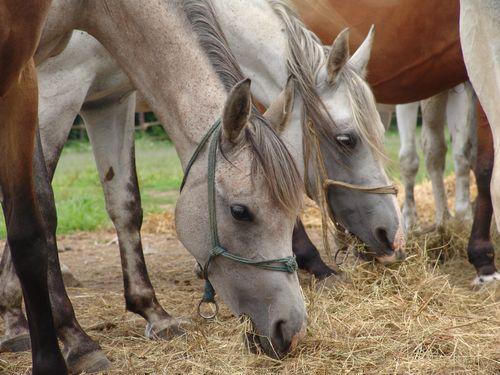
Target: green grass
(79, 196)
(392, 149)
(78, 192)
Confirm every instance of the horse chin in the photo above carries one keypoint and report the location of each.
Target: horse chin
(394, 257)
(389, 254)
(397, 251)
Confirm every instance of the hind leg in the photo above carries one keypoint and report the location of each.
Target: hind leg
(459, 115)
(408, 159)
(434, 146)
(111, 130)
(480, 249)
(480, 39)
(25, 231)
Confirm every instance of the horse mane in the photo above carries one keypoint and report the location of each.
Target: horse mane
(272, 158)
(305, 59)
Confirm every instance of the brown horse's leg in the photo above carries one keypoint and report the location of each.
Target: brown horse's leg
(308, 257)
(480, 248)
(19, 113)
(80, 352)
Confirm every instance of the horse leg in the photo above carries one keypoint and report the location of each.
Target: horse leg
(111, 132)
(16, 337)
(479, 37)
(385, 111)
(308, 257)
(459, 115)
(25, 230)
(80, 351)
(408, 159)
(480, 249)
(434, 146)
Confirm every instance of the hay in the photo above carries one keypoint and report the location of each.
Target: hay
(419, 318)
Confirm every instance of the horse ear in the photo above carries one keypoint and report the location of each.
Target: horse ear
(361, 57)
(339, 55)
(237, 111)
(279, 111)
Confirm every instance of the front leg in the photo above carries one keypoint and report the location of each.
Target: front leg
(308, 257)
(434, 146)
(460, 114)
(406, 115)
(25, 229)
(111, 131)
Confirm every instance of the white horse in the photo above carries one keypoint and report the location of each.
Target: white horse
(112, 142)
(457, 107)
(480, 39)
(257, 177)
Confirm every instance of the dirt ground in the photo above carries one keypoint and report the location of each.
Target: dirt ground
(419, 318)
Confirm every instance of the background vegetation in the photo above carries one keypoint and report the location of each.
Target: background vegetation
(78, 192)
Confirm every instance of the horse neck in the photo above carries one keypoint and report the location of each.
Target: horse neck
(150, 42)
(259, 44)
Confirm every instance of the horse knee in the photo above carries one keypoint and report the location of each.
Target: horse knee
(408, 160)
(435, 154)
(462, 165)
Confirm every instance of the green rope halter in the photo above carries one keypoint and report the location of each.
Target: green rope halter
(286, 264)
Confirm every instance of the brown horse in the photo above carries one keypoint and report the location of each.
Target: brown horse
(20, 28)
(416, 55)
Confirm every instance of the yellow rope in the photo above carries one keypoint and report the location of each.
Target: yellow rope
(388, 189)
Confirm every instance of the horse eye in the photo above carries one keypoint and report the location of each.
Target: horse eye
(241, 213)
(346, 140)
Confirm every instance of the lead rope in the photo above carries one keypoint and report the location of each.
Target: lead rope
(286, 264)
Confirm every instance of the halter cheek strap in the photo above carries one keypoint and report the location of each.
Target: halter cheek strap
(286, 264)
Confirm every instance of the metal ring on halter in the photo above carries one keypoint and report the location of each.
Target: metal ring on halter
(287, 264)
(208, 316)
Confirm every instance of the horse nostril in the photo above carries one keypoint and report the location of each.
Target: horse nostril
(383, 237)
(279, 340)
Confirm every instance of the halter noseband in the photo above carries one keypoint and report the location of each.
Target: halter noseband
(286, 264)
(386, 189)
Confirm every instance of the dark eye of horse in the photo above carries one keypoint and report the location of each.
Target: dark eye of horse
(241, 213)
(346, 140)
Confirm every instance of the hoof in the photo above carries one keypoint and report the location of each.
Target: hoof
(16, 344)
(89, 363)
(481, 280)
(166, 330)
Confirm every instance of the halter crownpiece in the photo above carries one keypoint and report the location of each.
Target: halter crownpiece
(286, 264)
